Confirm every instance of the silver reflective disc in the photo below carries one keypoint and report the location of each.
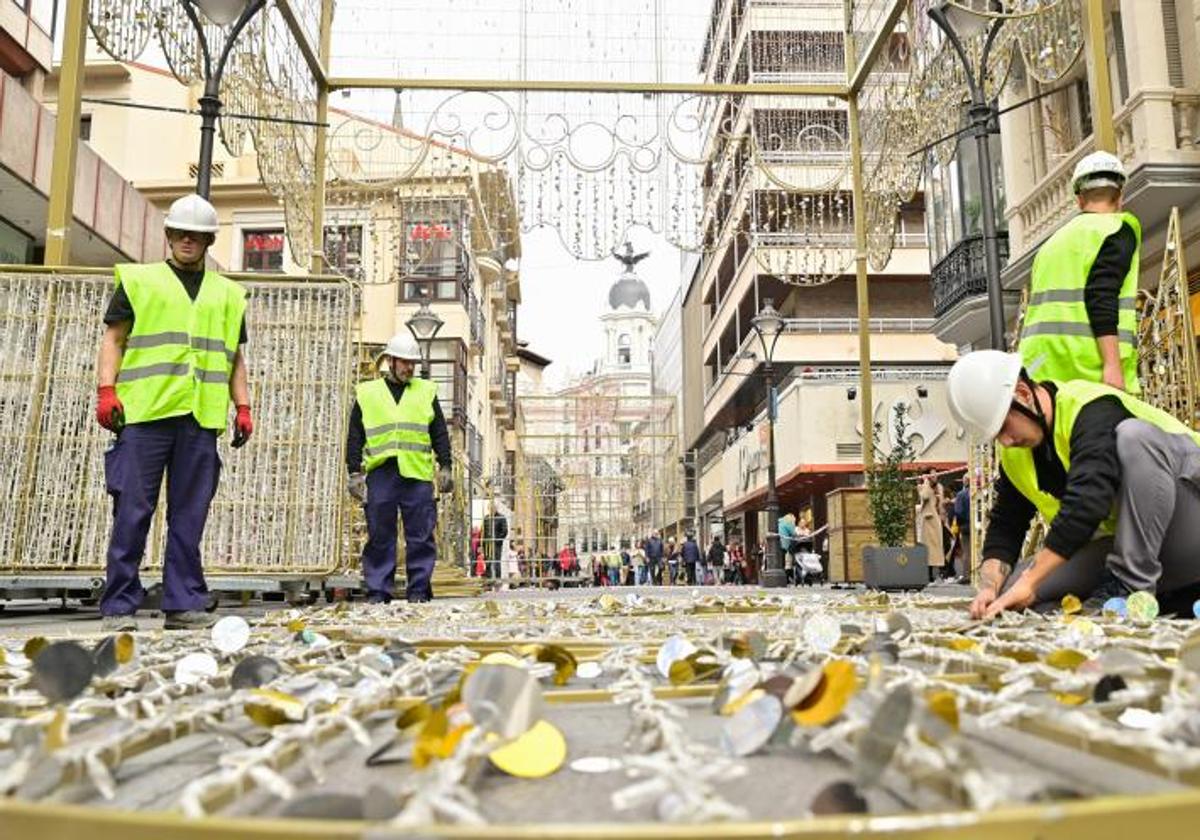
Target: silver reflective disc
(61, 671)
(676, 647)
(596, 764)
(254, 671)
(503, 699)
(588, 670)
(195, 667)
(230, 634)
(803, 686)
(751, 728)
(822, 632)
(878, 743)
(838, 798)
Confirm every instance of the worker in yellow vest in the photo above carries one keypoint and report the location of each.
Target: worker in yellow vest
(397, 430)
(1080, 322)
(1117, 480)
(170, 361)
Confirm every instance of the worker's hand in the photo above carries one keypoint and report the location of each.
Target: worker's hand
(109, 412)
(445, 480)
(983, 600)
(243, 427)
(356, 486)
(1019, 596)
(1114, 376)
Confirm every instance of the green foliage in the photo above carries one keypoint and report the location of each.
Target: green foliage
(890, 496)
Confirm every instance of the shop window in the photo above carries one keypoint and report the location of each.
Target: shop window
(344, 249)
(262, 250)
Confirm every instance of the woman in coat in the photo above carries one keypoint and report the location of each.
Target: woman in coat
(931, 500)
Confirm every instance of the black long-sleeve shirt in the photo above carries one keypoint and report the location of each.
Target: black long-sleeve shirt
(1087, 491)
(1102, 292)
(356, 437)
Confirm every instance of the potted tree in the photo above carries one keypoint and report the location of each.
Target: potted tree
(893, 564)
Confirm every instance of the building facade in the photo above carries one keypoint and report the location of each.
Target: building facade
(1154, 81)
(795, 248)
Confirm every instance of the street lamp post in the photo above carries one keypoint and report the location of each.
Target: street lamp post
(236, 14)
(424, 325)
(768, 324)
(957, 23)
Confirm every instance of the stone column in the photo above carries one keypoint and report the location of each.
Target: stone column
(1153, 121)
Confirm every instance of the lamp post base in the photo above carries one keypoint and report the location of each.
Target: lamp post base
(773, 578)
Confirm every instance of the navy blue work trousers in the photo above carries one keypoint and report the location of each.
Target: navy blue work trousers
(387, 493)
(133, 471)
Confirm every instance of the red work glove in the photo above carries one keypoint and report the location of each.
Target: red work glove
(243, 427)
(109, 412)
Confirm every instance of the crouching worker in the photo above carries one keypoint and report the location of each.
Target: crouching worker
(1117, 481)
(396, 430)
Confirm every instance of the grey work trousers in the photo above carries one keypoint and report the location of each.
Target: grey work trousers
(1157, 545)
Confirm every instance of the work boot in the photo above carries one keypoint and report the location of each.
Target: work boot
(189, 620)
(1110, 587)
(119, 623)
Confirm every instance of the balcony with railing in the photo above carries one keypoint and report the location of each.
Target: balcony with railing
(962, 273)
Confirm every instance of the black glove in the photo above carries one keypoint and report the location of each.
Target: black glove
(445, 480)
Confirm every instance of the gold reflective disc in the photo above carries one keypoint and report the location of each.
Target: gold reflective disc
(268, 707)
(1071, 605)
(436, 739)
(1065, 658)
(802, 688)
(411, 713)
(1069, 699)
(835, 690)
(534, 755)
(34, 646)
(562, 659)
(501, 658)
(944, 704)
(963, 645)
(58, 730)
(296, 625)
(676, 647)
(124, 648)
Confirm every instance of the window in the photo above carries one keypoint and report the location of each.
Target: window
(448, 369)
(623, 350)
(414, 290)
(262, 250)
(85, 127)
(431, 246)
(343, 249)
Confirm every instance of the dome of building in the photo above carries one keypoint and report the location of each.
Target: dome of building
(628, 291)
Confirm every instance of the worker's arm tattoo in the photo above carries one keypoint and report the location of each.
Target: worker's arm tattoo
(993, 573)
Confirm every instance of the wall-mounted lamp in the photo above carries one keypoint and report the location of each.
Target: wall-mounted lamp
(851, 393)
(922, 391)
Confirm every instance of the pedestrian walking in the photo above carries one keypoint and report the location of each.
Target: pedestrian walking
(653, 546)
(1114, 477)
(1081, 319)
(495, 532)
(715, 559)
(672, 562)
(396, 435)
(169, 365)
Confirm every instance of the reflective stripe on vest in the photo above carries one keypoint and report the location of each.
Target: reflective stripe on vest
(1057, 342)
(1069, 401)
(398, 429)
(179, 355)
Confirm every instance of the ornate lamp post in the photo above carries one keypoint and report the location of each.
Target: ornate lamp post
(768, 324)
(424, 325)
(957, 22)
(235, 14)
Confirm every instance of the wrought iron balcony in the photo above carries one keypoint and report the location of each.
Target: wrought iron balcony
(962, 273)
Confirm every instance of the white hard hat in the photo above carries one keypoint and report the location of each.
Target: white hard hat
(980, 391)
(192, 213)
(402, 346)
(1099, 169)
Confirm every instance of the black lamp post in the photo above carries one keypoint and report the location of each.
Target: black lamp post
(958, 23)
(235, 14)
(769, 324)
(424, 325)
